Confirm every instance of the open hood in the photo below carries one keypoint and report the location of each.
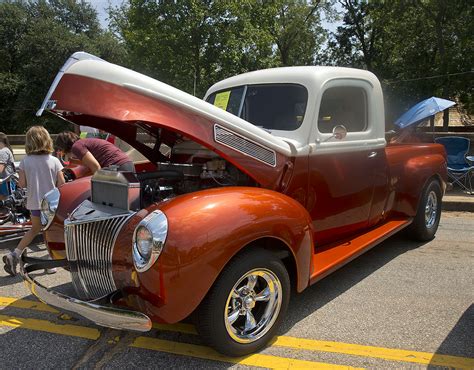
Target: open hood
(90, 91)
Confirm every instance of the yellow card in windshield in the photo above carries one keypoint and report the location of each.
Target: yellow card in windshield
(222, 99)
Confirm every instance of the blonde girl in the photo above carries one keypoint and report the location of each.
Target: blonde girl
(39, 172)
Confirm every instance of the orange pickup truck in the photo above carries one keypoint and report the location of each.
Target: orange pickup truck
(274, 180)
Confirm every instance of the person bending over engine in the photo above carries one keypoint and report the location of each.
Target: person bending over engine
(93, 153)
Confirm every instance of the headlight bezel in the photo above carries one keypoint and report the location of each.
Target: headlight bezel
(49, 207)
(156, 224)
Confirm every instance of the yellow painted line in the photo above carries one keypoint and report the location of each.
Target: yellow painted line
(350, 349)
(26, 304)
(177, 348)
(376, 352)
(49, 327)
(307, 344)
(193, 350)
(40, 306)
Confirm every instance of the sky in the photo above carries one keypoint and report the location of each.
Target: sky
(102, 5)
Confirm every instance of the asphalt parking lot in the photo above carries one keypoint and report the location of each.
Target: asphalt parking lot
(401, 305)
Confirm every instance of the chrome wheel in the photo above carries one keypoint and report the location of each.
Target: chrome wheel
(431, 209)
(253, 305)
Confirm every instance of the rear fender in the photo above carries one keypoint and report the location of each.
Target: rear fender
(417, 172)
(207, 229)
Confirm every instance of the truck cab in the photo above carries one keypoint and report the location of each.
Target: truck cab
(340, 179)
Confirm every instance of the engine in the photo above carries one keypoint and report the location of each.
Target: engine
(180, 178)
(131, 192)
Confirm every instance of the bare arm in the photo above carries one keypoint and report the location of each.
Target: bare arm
(60, 179)
(89, 161)
(2, 167)
(21, 179)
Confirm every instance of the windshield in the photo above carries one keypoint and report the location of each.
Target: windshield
(270, 106)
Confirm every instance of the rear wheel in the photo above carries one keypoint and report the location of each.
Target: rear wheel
(427, 218)
(245, 306)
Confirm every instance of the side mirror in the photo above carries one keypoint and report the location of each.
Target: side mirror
(339, 132)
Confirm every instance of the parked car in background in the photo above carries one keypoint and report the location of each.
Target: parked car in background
(274, 180)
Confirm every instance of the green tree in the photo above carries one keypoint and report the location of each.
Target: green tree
(36, 38)
(188, 44)
(356, 41)
(295, 29)
(191, 44)
(417, 47)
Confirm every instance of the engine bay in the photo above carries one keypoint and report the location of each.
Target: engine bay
(173, 179)
(188, 167)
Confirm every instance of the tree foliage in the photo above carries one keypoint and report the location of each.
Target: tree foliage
(192, 44)
(36, 38)
(416, 47)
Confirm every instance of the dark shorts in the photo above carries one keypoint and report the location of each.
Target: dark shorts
(4, 189)
(35, 212)
(7, 188)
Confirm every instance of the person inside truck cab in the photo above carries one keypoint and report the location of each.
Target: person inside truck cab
(93, 153)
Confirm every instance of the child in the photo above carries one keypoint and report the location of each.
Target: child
(7, 166)
(39, 172)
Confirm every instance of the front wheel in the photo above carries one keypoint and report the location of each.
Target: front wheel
(244, 308)
(427, 218)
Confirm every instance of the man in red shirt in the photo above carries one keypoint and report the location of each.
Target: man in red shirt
(93, 153)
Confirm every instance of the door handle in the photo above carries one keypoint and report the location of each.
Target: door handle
(372, 154)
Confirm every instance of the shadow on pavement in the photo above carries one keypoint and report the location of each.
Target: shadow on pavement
(7, 279)
(326, 290)
(332, 286)
(460, 340)
(108, 350)
(37, 346)
(36, 246)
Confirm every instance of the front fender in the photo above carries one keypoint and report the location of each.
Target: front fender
(207, 228)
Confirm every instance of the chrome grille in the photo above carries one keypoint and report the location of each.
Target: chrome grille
(244, 146)
(89, 247)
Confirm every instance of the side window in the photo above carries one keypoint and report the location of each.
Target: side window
(343, 105)
(228, 100)
(275, 106)
(270, 106)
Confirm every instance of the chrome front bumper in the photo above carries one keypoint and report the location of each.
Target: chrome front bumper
(95, 310)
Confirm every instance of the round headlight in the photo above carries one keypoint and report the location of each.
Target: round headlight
(148, 240)
(49, 206)
(144, 242)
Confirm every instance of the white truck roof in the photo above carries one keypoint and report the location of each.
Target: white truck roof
(315, 79)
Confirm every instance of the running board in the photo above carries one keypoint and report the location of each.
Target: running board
(336, 255)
